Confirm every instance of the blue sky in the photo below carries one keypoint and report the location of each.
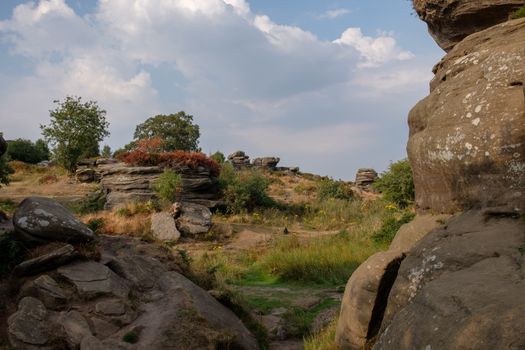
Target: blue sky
(325, 85)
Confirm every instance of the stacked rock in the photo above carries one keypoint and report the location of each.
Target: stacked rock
(266, 162)
(365, 178)
(239, 159)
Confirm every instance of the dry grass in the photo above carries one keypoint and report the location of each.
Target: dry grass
(324, 340)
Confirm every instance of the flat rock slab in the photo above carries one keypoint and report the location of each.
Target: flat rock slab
(27, 327)
(75, 327)
(46, 262)
(92, 279)
(47, 290)
(40, 219)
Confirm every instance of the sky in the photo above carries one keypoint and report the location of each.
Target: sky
(326, 85)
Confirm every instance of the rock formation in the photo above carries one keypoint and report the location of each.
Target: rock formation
(191, 219)
(450, 21)
(467, 138)
(461, 285)
(365, 178)
(124, 184)
(269, 163)
(239, 160)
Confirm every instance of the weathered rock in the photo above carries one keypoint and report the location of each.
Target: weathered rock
(47, 290)
(92, 280)
(75, 328)
(46, 262)
(266, 162)
(194, 219)
(365, 299)
(239, 160)
(365, 178)
(28, 327)
(41, 220)
(87, 175)
(450, 21)
(467, 138)
(460, 287)
(142, 271)
(163, 227)
(112, 307)
(409, 234)
(124, 184)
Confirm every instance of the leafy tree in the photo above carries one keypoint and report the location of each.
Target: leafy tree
(27, 151)
(397, 183)
(218, 157)
(106, 151)
(75, 131)
(176, 130)
(5, 170)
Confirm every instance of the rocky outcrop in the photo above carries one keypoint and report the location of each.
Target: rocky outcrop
(191, 219)
(367, 290)
(124, 184)
(269, 163)
(461, 287)
(134, 294)
(365, 178)
(239, 160)
(467, 138)
(450, 21)
(39, 220)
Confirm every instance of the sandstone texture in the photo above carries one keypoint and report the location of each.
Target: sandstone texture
(467, 138)
(450, 21)
(365, 177)
(239, 160)
(269, 163)
(136, 291)
(461, 287)
(192, 219)
(163, 227)
(39, 220)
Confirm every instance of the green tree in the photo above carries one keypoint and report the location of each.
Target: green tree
(218, 157)
(176, 130)
(106, 151)
(397, 183)
(75, 130)
(27, 151)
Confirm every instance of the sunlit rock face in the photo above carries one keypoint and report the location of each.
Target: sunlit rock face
(450, 21)
(467, 138)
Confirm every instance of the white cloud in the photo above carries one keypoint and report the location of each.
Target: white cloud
(331, 14)
(250, 82)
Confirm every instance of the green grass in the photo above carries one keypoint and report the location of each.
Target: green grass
(7, 206)
(390, 226)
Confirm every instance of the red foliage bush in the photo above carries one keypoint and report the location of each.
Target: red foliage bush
(148, 153)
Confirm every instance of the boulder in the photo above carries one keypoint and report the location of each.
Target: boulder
(410, 233)
(365, 298)
(75, 328)
(47, 290)
(461, 287)
(192, 219)
(467, 138)
(365, 177)
(239, 160)
(266, 162)
(163, 227)
(46, 262)
(450, 21)
(86, 175)
(41, 220)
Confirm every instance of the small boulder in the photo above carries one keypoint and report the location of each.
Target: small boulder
(47, 290)
(75, 327)
(193, 219)
(46, 262)
(163, 227)
(39, 220)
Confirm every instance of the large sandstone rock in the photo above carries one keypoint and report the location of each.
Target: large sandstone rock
(410, 233)
(41, 220)
(192, 219)
(365, 298)
(450, 21)
(163, 227)
(365, 177)
(239, 160)
(467, 138)
(461, 287)
(266, 162)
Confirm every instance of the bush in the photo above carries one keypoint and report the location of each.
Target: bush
(148, 152)
(27, 151)
(218, 157)
(390, 226)
(331, 189)
(519, 14)
(244, 191)
(5, 170)
(168, 185)
(397, 184)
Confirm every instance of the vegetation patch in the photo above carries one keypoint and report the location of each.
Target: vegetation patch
(397, 184)
(324, 340)
(12, 253)
(390, 226)
(520, 13)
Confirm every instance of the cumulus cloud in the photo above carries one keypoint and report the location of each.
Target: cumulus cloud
(250, 82)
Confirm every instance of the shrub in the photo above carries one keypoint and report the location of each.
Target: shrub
(148, 153)
(329, 188)
(27, 151)
(95, 224)
(244, 191)
(218, 157)
(5, 170)
(397, 184)
(519, 14)
(390, 226)
(106, 151)
(168, 185)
